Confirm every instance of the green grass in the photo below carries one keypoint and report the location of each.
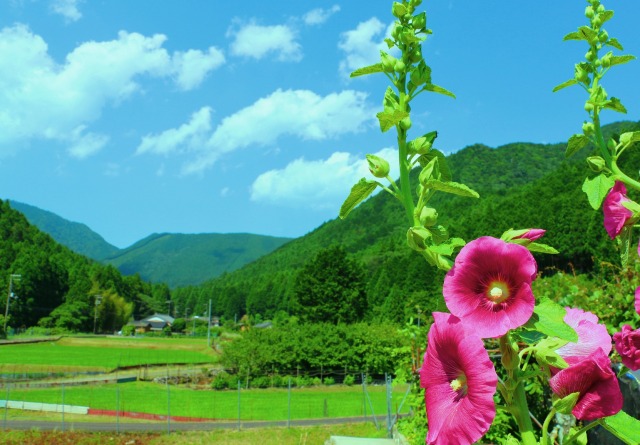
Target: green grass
(101, 354)
(255, 404)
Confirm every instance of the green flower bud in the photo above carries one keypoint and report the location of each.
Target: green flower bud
(590, 56)
(596, 21)
(604, 36)
(395, 32)
(415, 3)
(428, 216)
(420, 21)
(398, 9)
(416, 55)
(388, 62)
(416, 238)
(405, 123)
(596, 163)
(589, 11)
(606, 60)
(510, 359)
(611, 144)
(600, 9)
(588, 129)
(598, 62)
(588, 107)
(581, 75)
(399, 66)
(378, 166)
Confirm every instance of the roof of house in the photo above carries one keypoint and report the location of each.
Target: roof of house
(159, 318)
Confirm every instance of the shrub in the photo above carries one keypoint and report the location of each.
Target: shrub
(349, 380)
(316, 381)
(329, 381)
(260, 382)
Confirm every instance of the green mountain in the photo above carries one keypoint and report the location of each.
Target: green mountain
(76, 236)
(521, 185)
(183, 259)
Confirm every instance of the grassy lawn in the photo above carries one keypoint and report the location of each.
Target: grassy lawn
(101, 354)
(255, 404)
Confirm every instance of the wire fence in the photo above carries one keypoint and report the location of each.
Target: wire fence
(288, 399)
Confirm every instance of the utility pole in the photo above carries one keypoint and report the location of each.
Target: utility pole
(98, 300)
(13, 276)
(209, 328)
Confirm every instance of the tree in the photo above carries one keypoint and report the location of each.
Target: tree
(330, 288)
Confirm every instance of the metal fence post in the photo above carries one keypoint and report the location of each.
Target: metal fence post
(288, 407)
(62, 407)
(387, 379)
(6, 406)
(239, 404)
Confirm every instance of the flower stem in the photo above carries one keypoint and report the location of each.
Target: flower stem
(581, 431)
(544, 440)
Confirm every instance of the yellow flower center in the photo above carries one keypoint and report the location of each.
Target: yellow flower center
(459, 384)
(497, 292)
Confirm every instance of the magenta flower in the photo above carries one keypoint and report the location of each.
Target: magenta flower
(489, 286)
(615, 214)
(532, 234)
(597, 384)
(591, 336)
(459, 381)
(628, 346)
(637, 303)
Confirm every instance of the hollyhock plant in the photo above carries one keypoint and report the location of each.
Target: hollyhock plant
(591, 336)
(637, 303)
(627, 344)
(597, 384)
(459, 381)
(615, 214)
(489, 286)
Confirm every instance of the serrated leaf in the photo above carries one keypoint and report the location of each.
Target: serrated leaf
(443, 166)
(359, 193)
(575, 35)
(605, 16)
(597, 189)
(390, 118)
(548, 318)
(583, 33)
(437, 89)
(530, 336)
(614, 42)
(440, 233)
(371, 69)
(576, 143)
(629, 138)
(624, 427)
(568, 83)
(451, 187)
(449, 247)
(546, 355)
(619, 60)
(541, 248)
(615, 105)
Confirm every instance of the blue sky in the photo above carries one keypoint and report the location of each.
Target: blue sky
(192, 116)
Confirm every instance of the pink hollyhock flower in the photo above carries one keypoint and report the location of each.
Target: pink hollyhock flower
(532, 234)
(459, 381)
(489, 286)
(597, 384)
(615, 214)
(628, 346)
(591, 336)
(637, 303)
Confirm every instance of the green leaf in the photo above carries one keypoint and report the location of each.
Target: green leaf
(615, 105)
(359, 193)
(548, 318)
(529, 337)
(436, 89)
(451, 187)
(619, 60)
(624, 427)
(377, 68)
(575, 35)
(583, 33)
(576, 143)
(440, 234)
(568, 83)
(597, 189)
(614, 42)
(565, 405)
(605, 16)
(624, 242)
(443, 166)
(449, 247)
(582, 439)
(541, 248)
(546, 355)
(390, 118)
(629, 138)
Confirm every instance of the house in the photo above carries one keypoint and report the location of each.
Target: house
(154, 323)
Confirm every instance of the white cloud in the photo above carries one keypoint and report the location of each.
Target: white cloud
(189, 136)
(318, 16)
(320, 184)
(299, 113)
(257, 41)
(362, 45)
(192, 66)
(67, 8)
(43, 99)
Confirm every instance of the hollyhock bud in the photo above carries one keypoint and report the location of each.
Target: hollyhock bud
(378, 166)
(615, 214)
(532, 234)
(627, 343)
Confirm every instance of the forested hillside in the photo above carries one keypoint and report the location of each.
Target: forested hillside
(521, 185)
(57, 288)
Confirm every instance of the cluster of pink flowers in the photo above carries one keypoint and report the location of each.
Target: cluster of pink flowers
(488, 292)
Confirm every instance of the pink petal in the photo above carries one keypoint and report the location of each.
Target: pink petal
(615, 214)
(591, 336)
(637, 303)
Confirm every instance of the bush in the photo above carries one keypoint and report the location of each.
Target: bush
(260, 382)
(329, 381)
(349, 380)
(316, 381)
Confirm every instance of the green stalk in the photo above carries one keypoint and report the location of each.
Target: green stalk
(520, 411)
(544, 440)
